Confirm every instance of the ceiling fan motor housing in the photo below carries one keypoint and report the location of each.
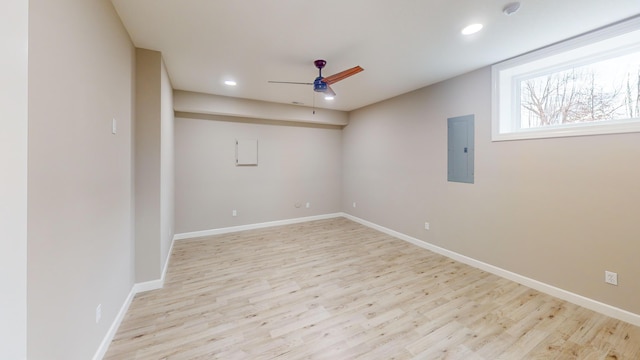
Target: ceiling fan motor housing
(319, 85)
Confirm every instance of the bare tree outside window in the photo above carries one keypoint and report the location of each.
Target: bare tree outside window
(601, 91)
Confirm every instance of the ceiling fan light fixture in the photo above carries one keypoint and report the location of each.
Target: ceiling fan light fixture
(471, 29)
(230, 83)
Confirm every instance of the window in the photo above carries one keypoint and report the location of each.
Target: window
(587, 85)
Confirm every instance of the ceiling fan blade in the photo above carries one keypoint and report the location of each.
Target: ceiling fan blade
(290, 82)
(342, 75)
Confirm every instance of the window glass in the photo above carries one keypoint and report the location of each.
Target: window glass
(584, 86)
(601, 91)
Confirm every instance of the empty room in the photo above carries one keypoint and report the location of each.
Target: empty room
(288, 179)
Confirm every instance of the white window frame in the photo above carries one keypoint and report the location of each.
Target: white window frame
(618, 39)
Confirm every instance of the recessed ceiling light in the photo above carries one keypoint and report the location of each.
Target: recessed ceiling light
(230, 83)
(328, 97)
(471, 29)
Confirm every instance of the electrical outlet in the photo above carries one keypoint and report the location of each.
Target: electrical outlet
(308, 205)
(354, 204)
(234, 213)
(610, 277)
(426, 226)
(98, 313)
(114, 126)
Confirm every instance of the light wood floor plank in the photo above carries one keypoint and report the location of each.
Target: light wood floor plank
(334, 289)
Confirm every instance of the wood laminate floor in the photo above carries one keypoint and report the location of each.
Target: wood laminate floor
(334, 289)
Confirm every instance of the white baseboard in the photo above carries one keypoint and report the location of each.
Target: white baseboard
(583, 301)
(106, 341)
(135, 289)
(148, 286)
(166, 262)
(113, 329)
(232, 229)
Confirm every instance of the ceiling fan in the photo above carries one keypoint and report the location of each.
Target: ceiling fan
(323, 84)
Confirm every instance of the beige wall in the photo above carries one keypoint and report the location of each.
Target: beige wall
(296, 164)
(81, 64)
(13, 178)
(167, 196)
(561, 211)
(153, 165)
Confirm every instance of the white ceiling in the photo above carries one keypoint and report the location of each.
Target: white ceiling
(403, 45)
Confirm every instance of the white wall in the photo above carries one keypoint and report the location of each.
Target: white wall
(297, 163)
(560, 211)
(81, 65)
(13, 178)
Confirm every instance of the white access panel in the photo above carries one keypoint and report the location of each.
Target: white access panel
(246, 152)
